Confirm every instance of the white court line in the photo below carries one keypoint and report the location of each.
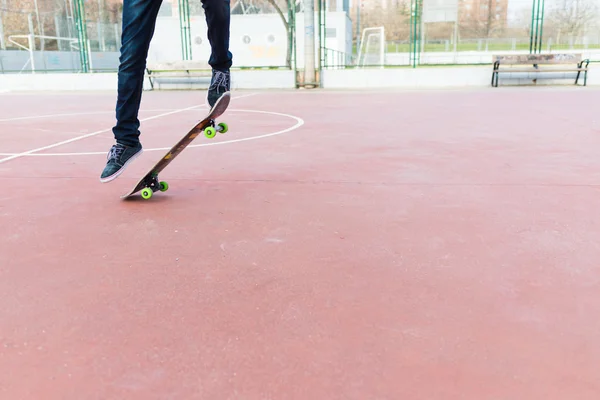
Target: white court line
(28, 117)
(3, 160)
(298, 124)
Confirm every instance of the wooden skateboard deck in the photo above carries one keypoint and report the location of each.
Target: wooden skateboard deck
(149, 182)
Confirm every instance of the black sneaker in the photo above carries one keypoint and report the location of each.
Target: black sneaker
(119, 156)
(219, 84)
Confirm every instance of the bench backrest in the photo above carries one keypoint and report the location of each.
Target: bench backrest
(514, 59)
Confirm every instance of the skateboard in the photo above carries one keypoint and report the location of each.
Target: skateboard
(149, 182)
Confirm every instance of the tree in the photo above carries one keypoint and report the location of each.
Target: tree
(572, 16)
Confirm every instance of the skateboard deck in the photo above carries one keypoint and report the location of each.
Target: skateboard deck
(149, 182)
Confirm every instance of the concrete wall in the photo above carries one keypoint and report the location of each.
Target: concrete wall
(442, 77)
(261, 79)
(17, 60)
(58, 82)
(256, 40)
(471, 57)
(259, 55)
(371, 78)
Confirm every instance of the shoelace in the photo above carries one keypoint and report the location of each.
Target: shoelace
(221, 81)
(115, 152)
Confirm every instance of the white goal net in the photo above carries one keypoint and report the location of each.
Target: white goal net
(372, 47)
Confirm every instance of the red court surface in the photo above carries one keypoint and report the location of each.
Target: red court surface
(341, 245)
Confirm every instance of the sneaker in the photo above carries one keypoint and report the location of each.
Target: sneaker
(119, 156)
(219, 84)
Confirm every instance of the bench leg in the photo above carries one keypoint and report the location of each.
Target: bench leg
(150, 79)
(495, 79)
(578, 73)
(495, 74)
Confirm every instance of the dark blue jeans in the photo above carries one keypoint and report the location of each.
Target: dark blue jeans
(139, 20)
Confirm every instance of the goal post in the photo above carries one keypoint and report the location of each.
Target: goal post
(372, 47)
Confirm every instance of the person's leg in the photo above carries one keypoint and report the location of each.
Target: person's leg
(139, 21)
(218, 18)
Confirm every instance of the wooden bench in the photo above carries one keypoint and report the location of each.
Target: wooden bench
(179, 71)
(553, 63)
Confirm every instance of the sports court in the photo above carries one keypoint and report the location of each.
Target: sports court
(434, 244)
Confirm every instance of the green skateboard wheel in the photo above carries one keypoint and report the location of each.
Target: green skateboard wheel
(164, 186)
(223, 127)
(146, 193)
(210, 132)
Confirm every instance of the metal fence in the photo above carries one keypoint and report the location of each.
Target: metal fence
(73, 35)
(58, 35)
(421, 32)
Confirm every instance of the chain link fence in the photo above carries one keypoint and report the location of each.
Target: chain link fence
(433, 32)
(43, 35)
(38, 36)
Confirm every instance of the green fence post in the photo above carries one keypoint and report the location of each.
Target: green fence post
(186, 34)
(537, 26)
(82, 37)
(322, 37)
(532, 26)
(542, 23)
(415, 32)
(292, 44)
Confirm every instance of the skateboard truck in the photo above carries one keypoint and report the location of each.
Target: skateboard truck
(210, 131)
(151, 185)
